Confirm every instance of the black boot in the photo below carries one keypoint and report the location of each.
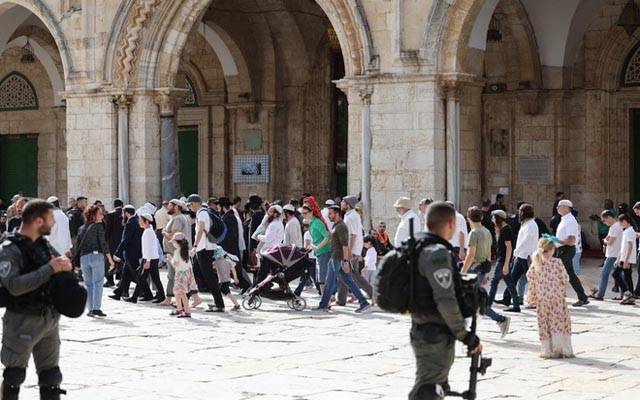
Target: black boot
(51, 392)
(10, 392)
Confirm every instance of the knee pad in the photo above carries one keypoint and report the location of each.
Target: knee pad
(14, 376)
(50, 377)
(430, 392)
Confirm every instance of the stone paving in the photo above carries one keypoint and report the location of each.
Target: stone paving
(141, 353)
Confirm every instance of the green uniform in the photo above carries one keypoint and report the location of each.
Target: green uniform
(433, 334)
(30, 324)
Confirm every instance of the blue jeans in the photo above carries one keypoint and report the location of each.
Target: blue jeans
(322, 266)
(495, 281)
(488, 311)
(609, 264)
(335, 270)
(576, 263)
(92, 265)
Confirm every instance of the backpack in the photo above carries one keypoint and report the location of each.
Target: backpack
(217, 228)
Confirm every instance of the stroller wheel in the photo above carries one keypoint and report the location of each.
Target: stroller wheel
(252, 302)
(298, 304)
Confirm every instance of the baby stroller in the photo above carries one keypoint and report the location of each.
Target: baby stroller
(280, 264)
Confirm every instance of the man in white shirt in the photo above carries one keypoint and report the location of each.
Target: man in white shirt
(60, 236)
(613, 243)
(627, 259)
(526, 244)
(203, 249)
(325, 213)
(406, 214)
(567, 234)
(459, 239)
(292, 229)
(354, 224)
(162, 217)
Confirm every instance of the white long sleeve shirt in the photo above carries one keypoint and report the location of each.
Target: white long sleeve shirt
(150, 245)
(60, 236)
(402, 233)
(273, 235)
(241, 243)
(461, 227)
(527, 239)
(293, 232)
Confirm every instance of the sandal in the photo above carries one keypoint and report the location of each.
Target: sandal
(175, 312)
(184, 315)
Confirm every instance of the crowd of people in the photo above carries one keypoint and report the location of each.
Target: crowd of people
(216, 247)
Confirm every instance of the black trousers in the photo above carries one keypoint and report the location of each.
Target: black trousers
(566, 254)
(205, 264)
(142, 287)
(129, 275)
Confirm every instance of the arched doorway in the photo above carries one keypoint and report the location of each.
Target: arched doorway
(32, 113)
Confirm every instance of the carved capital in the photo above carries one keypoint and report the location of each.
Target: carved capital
(170, 99)
(452, 88)
(365, 93)
(122, 101)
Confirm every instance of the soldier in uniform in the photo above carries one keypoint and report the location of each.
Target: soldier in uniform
(30, 324)
(436, 317)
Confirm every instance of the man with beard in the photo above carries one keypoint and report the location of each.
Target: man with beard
(130, 251)
(231, 241)
(30, 324)
(382, 242)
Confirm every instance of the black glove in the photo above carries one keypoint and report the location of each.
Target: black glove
(471, 340)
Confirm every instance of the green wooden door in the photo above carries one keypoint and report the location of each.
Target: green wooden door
(188, 159)
(18, 166)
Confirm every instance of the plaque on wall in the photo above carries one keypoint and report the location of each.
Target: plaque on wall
(251, 168)
(252, 139)
(500, 142)
(534, 170)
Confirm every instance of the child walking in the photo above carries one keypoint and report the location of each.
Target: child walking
(225, 268)
(548, 278)
(183, 281)
(370, 261)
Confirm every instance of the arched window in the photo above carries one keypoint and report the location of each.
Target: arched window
(17, 93)
(192, 97)
(631, 72)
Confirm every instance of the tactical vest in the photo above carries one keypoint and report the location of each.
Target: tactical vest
(34, 255)
(422, 297)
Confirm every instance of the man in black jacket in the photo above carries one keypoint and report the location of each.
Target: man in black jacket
(231, 242)
(76, 216)
(130, 251)
(255, 203)
(114, 228)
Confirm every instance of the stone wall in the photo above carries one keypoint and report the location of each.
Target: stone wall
(47, 122)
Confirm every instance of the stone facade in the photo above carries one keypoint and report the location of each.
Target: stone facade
(449, 114)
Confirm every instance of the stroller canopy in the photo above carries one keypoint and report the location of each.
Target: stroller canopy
(285, 256)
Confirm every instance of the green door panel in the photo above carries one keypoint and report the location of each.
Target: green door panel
(188, 159)
(18, 166)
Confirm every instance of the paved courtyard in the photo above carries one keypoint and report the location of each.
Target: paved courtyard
(141, 353)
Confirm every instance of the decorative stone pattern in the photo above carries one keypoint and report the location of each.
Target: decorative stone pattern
(17, 93)
(192, 98)
(632, 70)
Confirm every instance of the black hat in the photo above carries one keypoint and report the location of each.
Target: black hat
(255, 200)
(67, 295)
(194, 198)
(224, 202)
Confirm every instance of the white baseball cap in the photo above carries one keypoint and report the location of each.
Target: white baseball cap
(566, 203)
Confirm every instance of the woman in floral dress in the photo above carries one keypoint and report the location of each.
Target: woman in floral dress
(548, 279)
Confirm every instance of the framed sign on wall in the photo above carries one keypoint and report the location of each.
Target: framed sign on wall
(251, 168)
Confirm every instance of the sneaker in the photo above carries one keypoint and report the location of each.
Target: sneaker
(504, 327)
(323, 309)
(595, 297)
(99, 313)
(364, 308)
(114, 297)
(581, 303)
(90, 313)
(512, 309)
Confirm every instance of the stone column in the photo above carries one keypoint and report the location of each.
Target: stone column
(170, 178)
(365, 95)
(122, 103)
(452, 93)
